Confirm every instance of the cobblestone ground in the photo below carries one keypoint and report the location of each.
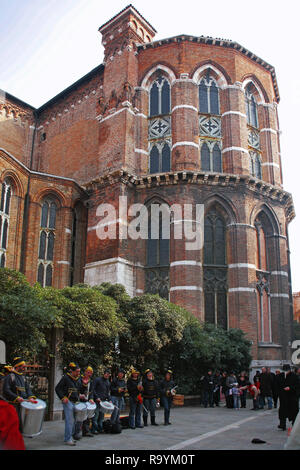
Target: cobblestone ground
(193, 428)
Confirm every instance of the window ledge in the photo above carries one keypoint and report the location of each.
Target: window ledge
(269, 345)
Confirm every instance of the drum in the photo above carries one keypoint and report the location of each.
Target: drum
(107, 406)
(91, 408)
(80, 410)
(32, 417)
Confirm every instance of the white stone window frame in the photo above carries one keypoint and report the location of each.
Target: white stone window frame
(159, 141)
(47, 230)
(5, 218)
(160, 86)
(208, 82)
(248, 109)
(211, 143)
(253, 154)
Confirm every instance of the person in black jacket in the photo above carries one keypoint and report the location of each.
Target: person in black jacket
(150, 397)
(217, 388)
(67, 391)
(118, 389)
(208, 389)
(266, 382)
(288, 398)
(225, 389)
(15, 386)
(243, 386)
(167, 392)
(134, 387)
(275, 387)
(102, 392)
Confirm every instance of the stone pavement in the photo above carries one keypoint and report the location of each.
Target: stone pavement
(193, 428)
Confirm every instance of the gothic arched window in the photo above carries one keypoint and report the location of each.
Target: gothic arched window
(5, 203)
(46, 243)
(210, 124)
(251, 107)
(263, 281)
(160, 97)
(158, 256)
(159, 126)
(208, 96)
(211, 157)
(215, 270)
(255, 165)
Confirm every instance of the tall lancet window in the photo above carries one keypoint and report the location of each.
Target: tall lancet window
(251, 106)
(255, 160)
(263, 282)
(46, 243)
(215, 270)
(210, 124)
(5, 206)
(159, 126)
(158, 253)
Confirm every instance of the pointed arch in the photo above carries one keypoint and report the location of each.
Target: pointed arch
(270, 219)
(222, 205)
(217, 72)
(164, 69)
(257, 88)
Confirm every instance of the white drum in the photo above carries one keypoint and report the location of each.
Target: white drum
(80, 411)
(91, 408)
(32, 417)
(107, 406)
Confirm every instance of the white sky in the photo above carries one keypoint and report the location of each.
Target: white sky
(46, 45)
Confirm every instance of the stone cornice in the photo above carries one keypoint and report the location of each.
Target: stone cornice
(148, 181)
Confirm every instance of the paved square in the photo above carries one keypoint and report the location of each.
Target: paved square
(193, 428)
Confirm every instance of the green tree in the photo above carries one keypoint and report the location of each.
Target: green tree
(90, 323)
(25, 319)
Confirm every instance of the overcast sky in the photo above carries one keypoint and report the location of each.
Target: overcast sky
(46, 45)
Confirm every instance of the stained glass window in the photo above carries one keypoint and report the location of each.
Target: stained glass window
(5, 206)
(215, 270)
(46, 243)
(159, 126)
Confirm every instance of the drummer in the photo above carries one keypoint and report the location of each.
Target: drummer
(86, 390)
(135, 388)
(150, 397)
(167, 391)
(67, 391)
(118, 389)
(102, 393)
(16, 388)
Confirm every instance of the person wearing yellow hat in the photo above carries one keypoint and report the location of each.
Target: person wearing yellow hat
(86, 390)
(134, 387)
(150, 397)
(67, 391)
(15, 387)
(167, 391)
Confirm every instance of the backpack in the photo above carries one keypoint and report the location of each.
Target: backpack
(110, 428)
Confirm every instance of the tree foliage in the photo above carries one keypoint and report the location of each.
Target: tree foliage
(24, 317)
(103, 326)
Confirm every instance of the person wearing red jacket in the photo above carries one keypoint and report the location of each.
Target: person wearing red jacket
(10, 436)
(254, 392)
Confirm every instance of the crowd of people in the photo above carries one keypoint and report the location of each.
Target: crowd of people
(144, 394)
(107, 394)
(267, 389)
